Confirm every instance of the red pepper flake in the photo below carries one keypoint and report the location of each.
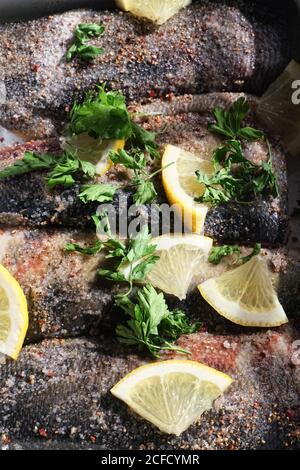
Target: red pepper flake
(93, 439)
(43, 432)
(5, 439)
(170, 96)
(152, 94)
(1, 140)
(50, 374)
(35, 67)
(290, 414)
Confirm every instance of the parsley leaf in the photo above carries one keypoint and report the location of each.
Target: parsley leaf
(229, 123)
(97, 192)
(176, 324)
(90, 250)
(142, 269)
(85, 32)
(65, 170)
(62, 174)
(69, 170)
(240, 183)
(104, 115)
(137, 249)
(135, 161)
(145, 191)
(217, 253)
(144, 140)
(151, 325)
(30, 162)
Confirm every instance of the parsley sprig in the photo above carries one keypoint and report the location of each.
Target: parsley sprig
(137, 255)
(29, 163)
(83, 34)
(236, 178)
(104, 114)
(151, 325)
(229, 123)
(64, 170)
(135, 160)
(217, 253)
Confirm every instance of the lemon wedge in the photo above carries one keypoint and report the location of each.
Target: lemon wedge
(180, 184)
(158, 11)
(93, 150)
(182, 258)
(245, 295)
(171, 394)
(13, 315)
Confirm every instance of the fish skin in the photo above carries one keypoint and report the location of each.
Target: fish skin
(185, 124)
(232, 222)
(212, 45)
(58, 395)
(66, 298)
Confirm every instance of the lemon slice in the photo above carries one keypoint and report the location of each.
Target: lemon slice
(13, 315)
(279, 108)
(245, 295)
(181, 186)
(157, 11)
(93, 150)
(171, 394)
(182, 258)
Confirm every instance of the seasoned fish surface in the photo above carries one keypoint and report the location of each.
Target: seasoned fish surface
(63, 298)
(57, 394)
(212, 45)
(184, 123)
(66, 297)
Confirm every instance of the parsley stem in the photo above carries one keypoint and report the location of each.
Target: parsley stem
(159, 171)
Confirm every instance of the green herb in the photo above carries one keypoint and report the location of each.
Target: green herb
(84, 33)
(217, 253)
(65, 169)
(240, 184)
(69, 170)
(145, 191)
(144, 140)
(97, 192)
(137, 249)
(236, 178)
(229, 123)
(255, 252)
(89, 250)
(178, 324)
(30, 162)
(229, 154)
(134, 161)
(102, 115)
(152, 326)
(105, 115)
(212, 193)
